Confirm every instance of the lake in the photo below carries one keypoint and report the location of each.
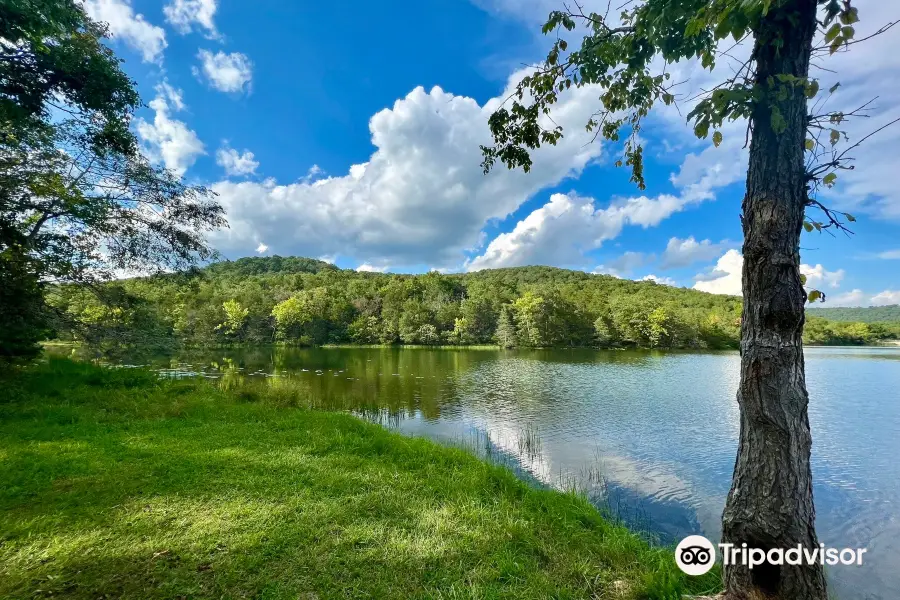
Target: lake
(650, 436)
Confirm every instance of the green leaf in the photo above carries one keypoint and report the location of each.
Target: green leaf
(835, 45)
(810, 144)
(834, 88)
(850, 217)
(777, 120)
(830, 179)
(812, 89)
(833, 32)
(848, 32)
(807, 226)
(802, 279)
(701, 129)
(834, 136)
(850, 17)
(717, 138)
(815, 295)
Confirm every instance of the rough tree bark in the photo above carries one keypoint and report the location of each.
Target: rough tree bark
(770, 504)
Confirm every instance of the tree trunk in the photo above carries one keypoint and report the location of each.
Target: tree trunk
(770, 504)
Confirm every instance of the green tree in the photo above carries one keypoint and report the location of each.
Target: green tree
(77, 199)
(23, 316)
(235, 318)
(532, 316)
(770, 503)
(305, 316)
(505, 335)
(461, 333)
(415, 315)
(604, 331)
(364, 330)
(480, 317)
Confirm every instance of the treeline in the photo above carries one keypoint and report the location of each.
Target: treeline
(308, 302)
(871, 314)
(842, 333)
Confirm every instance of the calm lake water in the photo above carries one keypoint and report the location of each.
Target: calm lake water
(651, 436)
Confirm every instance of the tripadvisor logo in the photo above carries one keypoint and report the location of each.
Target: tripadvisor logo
(696, 555)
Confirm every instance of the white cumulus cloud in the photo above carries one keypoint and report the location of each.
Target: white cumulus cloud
(133, 29)
(563, 229)
(420, 198)
(185, 15)
(886, 298)
(683, 253)
(231, 72)
(261, 249)
(236, 163)
(817, 277)
(169, 140)
(854, 297)
(725, 276)
(367, 268)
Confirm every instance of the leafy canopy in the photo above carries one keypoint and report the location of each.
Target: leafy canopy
(52, 59)
(627, 58)
(78, 200)
(628, 61)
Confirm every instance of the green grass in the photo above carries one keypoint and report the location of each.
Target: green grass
(118, 485)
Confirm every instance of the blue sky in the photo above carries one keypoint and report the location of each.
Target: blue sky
(349, 131)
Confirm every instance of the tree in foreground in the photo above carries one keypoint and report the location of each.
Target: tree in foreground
(792, 154)
(78, 201)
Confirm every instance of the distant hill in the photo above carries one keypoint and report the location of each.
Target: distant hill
(310, 302)
(872, 314)
(247, 266)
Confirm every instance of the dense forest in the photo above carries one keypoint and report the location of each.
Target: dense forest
(308, 302)
(856, 314)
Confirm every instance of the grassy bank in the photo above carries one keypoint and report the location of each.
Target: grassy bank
(117, 484)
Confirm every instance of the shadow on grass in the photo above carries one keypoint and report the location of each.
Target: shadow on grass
(118, 485)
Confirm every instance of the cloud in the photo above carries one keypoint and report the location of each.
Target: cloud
(234, 162)
(852, 298)
(606, 270)
(225, 72)
(563, 229)
(725, 277)
(683, 253)
(659, 280)
(421, 198)
(629, 261)
(184, 15)
(817, 277)
(133, 29)
(889, 255)
(858, 298)
(315, 172)
(169, 140)
(261, 249)
(886, 298)
(367, 268)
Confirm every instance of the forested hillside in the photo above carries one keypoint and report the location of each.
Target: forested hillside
(871, 314)
(310, 302)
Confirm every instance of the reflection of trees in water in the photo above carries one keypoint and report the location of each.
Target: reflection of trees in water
(371, 380)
